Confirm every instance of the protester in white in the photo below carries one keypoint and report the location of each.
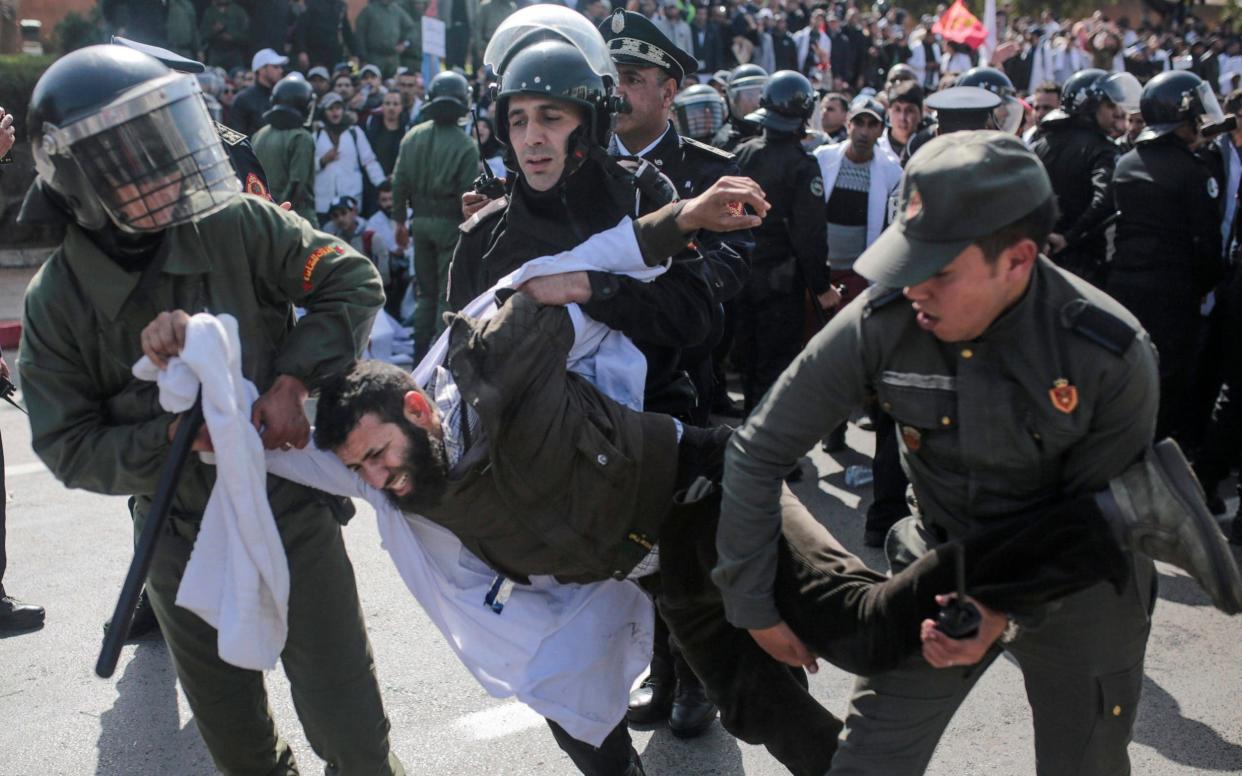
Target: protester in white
(925, 70)
(341, 175)
(571, 652)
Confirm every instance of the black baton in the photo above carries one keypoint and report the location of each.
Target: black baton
(170, 476)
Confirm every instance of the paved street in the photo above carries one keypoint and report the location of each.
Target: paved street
(68, 551)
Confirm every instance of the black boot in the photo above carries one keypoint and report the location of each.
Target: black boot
(692, 712)
(835, 441)
(144, 619)
(652, 702)
(17, 616)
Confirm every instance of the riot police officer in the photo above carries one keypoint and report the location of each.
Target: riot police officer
(1007, 117)
(1168, 245)
(1078, 151)
(699, 112)
(746, 84)
(791, 246)
(286, 147)
(957, 109)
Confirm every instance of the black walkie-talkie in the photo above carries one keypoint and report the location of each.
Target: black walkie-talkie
(487, 183)
(959, 619)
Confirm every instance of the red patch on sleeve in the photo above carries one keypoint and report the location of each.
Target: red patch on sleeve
(255, 186)
(313, 260)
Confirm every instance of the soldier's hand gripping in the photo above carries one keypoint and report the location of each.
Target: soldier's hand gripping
(780, 642)
(164, 337)
(722, 208)
(279, 417)
(942, 651)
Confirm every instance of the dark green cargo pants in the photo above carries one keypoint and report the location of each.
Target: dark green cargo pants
(327, 658)
(1083, 669)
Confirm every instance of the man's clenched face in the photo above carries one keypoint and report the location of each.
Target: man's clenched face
(539, 130)
(406, 460)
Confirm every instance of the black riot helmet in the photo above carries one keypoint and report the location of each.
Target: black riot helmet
(746, 82)
(293, 102)
(898, 73)
(448, 98)
(1179, 97)
(551, 51)
(1008, 115)
(1078, 95)
(788, 101)
(117, 136)
(699, 112)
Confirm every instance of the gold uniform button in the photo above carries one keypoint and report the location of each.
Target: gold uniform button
(967, 353)
(1116, 711)
(946, 420)
(888, 406)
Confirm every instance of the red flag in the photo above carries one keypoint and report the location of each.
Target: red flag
(959, 25)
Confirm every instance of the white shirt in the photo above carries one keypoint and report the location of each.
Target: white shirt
(343, 175)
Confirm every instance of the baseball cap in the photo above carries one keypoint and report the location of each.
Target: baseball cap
(343, 202)
(372, 69)
(863, 104)
(267, 56)
(957, 189)
(318, 71)
(330, 99)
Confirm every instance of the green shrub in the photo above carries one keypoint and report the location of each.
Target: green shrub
(76, 31)
(18, 74)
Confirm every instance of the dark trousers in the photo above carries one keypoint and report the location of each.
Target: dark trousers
(768, 338)
(610, 758)
(853, 617)
(888, 503)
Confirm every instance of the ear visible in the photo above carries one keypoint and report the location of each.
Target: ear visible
(1022, 257)
(418, 409)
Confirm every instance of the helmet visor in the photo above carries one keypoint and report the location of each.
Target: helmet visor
(542, 22)
(700, 119)
(152, 157)
(1008, 115)
(1212, 113)
(1123, 90)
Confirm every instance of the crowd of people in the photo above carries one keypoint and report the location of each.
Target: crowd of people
(1013, 265)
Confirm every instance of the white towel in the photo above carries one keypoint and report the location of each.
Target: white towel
(237, 578)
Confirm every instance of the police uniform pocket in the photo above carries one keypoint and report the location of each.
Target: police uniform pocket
(1119, 696)
(919, 404)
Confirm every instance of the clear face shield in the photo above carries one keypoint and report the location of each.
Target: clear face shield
(542, 22)
(1212, 119)
(1123, 90)
(700, 117)
(151, 158)
(1008, 115)
(744, 99)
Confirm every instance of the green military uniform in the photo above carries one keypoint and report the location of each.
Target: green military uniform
(225, 45)
(182, 28)
(98, 428)
(435, 165)
(412, 57)
(288, 159)
(378, 29)
(491, 14)
(1055, 398)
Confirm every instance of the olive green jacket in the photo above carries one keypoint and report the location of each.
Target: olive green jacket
(1056, 398)
(99, 428)
(182, 29)
(288, 159)
(378, 29)
(435, 165)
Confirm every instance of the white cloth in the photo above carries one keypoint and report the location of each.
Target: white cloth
(237, 578)
(385, 229)
(570, 652)
(343, 175)
(885, 178)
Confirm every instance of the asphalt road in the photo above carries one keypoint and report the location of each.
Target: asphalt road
(68, 551)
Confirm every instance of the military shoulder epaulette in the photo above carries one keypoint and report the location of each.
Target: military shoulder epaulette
(713, 150)
(878, 296)
(228, 135)
(1098, 325)
(493, 208)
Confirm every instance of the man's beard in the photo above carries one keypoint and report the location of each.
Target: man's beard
(426, 466)
(387, 211)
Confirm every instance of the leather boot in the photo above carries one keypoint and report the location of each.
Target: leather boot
(1157, 508)
(15, 615)
(636, 766)
(692, 712)
(144, 621)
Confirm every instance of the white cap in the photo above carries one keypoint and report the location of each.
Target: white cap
(267, 56)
